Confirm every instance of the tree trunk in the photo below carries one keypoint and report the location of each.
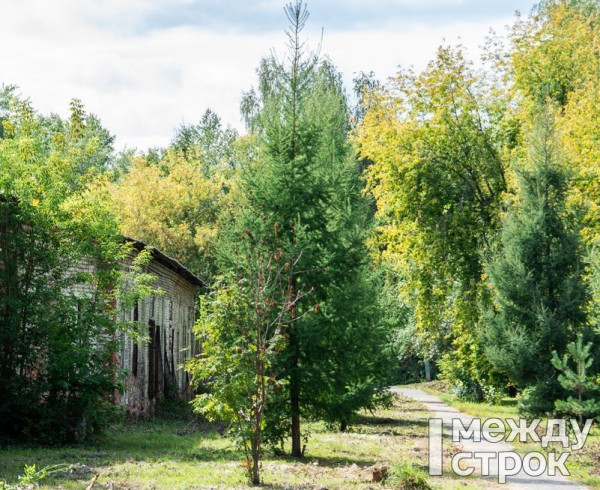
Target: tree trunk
(295, 382)
(255, 448)
(295, 402)
(255, 468)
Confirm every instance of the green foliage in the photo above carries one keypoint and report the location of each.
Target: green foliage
(554, 57)
(552, 50)
(91, 144)
(208, 140)
(363, 84)
(244, 326)
(593, 263)
(407, 477)
(436, 140)
(33, 476)
(442, 152)
(305, 179)
(477, 201)
(133, 285)
(577, 380)
(174, 204)
(538, 399)
(407, 347)
(536, 274)
(172, 406)
(493, 395)
(58, 337)
(464, 386)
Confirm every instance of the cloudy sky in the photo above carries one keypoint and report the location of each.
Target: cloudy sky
(146, 66)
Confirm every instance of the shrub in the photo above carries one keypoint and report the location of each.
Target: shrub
(33, 476)
(539, 399)
(407, 477)
(493, 395)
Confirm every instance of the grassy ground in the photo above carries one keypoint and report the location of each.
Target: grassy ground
(173, 455)
(584, 465)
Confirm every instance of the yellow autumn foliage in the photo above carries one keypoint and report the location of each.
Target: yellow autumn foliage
(174, 206)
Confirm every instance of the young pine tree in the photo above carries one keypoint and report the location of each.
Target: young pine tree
(577, 380)
(535, 278)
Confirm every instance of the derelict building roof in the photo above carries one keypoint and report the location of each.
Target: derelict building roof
(167, 261)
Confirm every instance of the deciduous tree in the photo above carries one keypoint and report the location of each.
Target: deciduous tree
(436, 141)
(243, 325)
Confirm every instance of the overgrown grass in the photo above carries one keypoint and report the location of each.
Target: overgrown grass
(410, 478)
(172, 454)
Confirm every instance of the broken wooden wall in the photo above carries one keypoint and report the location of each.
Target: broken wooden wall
(154, 367)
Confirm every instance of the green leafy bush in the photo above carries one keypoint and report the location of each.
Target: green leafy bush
(539, 399)
(493, 395)
(57, 335)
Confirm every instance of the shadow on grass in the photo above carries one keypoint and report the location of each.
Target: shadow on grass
(387, 422)
(171, 441)
(148, 441)
(327, 461)
(124, 445)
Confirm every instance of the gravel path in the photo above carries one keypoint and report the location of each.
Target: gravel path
(520, 480)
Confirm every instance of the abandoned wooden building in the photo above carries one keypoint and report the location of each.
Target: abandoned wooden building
(153, 368)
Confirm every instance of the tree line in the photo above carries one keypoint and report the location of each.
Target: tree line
(450, 216)
(485, 184)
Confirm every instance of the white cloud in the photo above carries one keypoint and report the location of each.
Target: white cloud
(143, 85)
(384, 51)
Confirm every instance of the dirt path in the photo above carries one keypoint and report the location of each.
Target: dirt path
(520, 480)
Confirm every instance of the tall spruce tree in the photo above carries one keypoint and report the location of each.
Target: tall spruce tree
(535, 276)
(305, 181)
